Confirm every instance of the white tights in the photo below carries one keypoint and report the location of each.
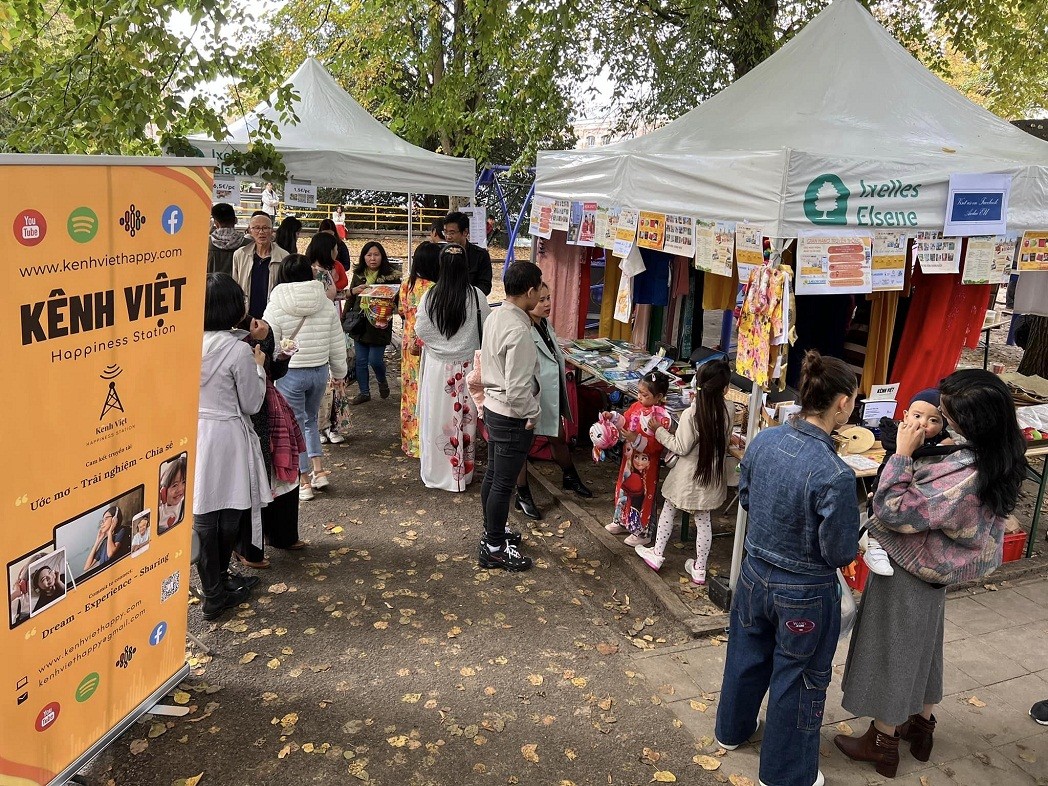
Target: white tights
(703, 532)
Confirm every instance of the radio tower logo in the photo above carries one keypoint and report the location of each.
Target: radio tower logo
(110, 373)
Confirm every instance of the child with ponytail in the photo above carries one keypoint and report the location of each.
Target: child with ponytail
(696, 483)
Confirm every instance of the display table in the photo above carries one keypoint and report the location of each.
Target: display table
(628, 358)
(1035, 450)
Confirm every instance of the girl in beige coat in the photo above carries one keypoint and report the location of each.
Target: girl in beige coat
(696, 482)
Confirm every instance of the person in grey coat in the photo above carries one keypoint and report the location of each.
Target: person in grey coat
(230, 474)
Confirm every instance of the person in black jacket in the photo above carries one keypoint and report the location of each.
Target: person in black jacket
(456, 230)
(225, 238)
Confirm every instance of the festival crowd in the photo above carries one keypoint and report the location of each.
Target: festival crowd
(286, 334)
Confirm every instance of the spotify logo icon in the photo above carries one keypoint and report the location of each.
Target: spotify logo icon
(82, 224)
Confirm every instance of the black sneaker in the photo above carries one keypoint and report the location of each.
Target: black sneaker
(383, 390)
(231, 600)
(235, 581)
(507, 558)
(514, 538)
(1039, 712)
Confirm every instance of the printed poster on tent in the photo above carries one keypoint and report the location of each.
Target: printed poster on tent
(1033, 252)
(716, 256)
(574, 222)
(889, 260)
(979, 259)
(541, 220)
(937, 254)
(680, 236)
(300, 196)
(749, 248)
(625, 231)
(561, 214)
(1004, 255)
(977, 205)
(588, 226)
(105, 291)
(600, 227)
(651, 230)
(705, 243)
(837, 264)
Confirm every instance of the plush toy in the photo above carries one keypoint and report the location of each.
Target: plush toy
(604, 434)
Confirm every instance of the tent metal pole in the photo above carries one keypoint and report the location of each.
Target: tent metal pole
(756, 402)
(411, 221)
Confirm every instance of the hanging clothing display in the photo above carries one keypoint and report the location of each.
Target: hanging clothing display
(653, 285)
(943, 317)
(883, 307)
(720, 292)
(760, 319)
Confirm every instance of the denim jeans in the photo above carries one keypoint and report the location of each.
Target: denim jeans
(508, 446)
(370, 355)
(304, 389)
(217, 532)
(784, 630)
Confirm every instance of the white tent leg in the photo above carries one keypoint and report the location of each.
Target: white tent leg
(756, 402)
(411, 221)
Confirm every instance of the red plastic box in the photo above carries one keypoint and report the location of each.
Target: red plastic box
(1014, 546)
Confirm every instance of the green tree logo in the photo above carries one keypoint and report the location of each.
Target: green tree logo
(826, 200)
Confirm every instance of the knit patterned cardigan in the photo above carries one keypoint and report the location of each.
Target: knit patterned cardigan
(930, 520)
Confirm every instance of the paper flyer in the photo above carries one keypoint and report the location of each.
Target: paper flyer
(1004, 255)
(478, 224)
(749, 248)
(561, 213)
(541, 224)
(720, 255)
(651, 231)
(574, 222)
(625, 232)
(889, 260)
(607, 239)
(680, 236)
(1033, 253)
(979, 262)
(226, 189)
(588, 227)
(937, 254)
(834, 264)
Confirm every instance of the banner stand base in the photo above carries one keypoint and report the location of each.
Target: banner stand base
(168, 710)
(149, 705)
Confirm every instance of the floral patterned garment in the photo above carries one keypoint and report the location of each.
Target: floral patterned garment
(760, 318)
(448, 424)
(410, 367)
(639, 472)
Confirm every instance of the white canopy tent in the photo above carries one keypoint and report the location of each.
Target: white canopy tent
(336, 143)
(842, 101)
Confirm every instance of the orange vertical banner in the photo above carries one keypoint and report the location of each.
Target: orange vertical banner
(102, 302)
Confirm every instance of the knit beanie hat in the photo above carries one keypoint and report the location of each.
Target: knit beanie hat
(928, 396)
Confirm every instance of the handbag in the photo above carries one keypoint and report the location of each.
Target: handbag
(355, 323)
(480, 324)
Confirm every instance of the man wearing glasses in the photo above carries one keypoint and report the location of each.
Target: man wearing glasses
(255, 265)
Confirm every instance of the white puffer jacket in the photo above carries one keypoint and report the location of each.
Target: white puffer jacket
(320, 339)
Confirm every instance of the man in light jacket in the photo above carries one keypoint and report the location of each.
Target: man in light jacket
(509, 371)
(255, 265)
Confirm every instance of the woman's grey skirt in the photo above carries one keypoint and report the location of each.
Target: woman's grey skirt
(894, 662)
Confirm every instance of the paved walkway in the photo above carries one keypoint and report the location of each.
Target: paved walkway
(996, 650)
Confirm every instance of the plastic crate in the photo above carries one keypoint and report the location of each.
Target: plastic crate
(1014, 546)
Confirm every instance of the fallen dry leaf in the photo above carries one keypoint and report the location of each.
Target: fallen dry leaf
(156, 729)
(181, 697)
(274, 663)
(535, 679)
(925, 780)
(530, 752)
(698, 706)
(648, 756)
(278, 589)
(664, 776)
(137, 746)
(247, 657)
(739, 780)
(975, 701)
(194, 780)
(607, 649)
(707, 762)
(844, 728)
(411, 698)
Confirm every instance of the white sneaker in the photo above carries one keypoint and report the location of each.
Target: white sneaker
(753, 734)
(615, 528)
(698, 576)
(876, 559)
(333, 436)
(649, 556)
(319, 481)
(305, 493)
(819, 781)
(635, 540)
(323, 438)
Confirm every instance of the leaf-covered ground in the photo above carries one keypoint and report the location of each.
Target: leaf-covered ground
(382, 654)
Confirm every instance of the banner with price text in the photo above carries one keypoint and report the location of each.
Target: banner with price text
(103, 287)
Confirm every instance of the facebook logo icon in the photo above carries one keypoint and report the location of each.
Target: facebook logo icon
(158, 634)
(172, 219)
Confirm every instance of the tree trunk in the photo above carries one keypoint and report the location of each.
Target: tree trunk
(753, 34)
(1035, 359)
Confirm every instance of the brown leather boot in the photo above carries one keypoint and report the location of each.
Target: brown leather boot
(918, 732)
(873, 746)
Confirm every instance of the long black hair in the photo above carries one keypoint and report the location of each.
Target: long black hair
(447, 301)
(385, 269)
(223, 302)
(286, 234)
(425, 263)
(982, 409)
(711, 421)
(319, 250)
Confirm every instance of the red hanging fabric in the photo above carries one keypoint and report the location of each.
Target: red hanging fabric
(944, 316)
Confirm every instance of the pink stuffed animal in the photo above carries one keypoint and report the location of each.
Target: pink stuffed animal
(604, 433)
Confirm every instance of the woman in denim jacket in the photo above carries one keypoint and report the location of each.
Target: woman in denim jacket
(786, 609)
